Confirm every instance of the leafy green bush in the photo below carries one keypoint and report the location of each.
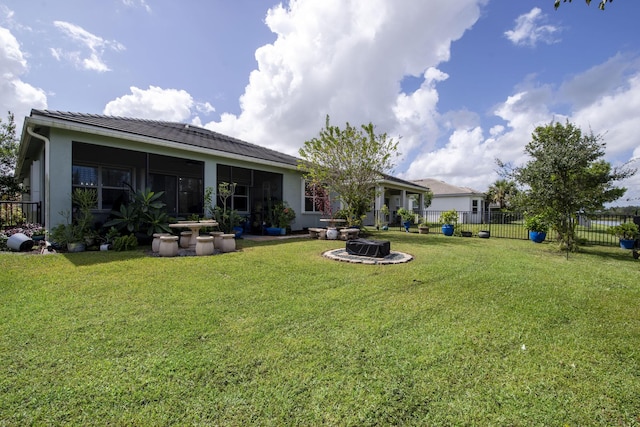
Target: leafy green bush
(406, 214)
(449, 217)
(145, 213)
(624, 231)
(125, 243)
(536, 223)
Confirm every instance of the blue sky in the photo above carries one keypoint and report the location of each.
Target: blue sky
(459, 83)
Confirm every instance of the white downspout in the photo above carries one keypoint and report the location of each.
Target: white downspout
(45, 209)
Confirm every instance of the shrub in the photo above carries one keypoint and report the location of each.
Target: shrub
(125, 243)
(624, 231)
(449, 217)
(536, 223)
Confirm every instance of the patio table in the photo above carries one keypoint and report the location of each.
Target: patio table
(195, 229)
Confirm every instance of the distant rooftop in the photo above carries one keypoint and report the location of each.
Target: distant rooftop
(441, 188)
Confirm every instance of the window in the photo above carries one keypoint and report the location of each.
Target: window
(316, 198)
(182, 195)
(474, 206)
(110, 183)
(240, 200)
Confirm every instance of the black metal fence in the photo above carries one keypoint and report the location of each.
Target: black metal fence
(13, 214)
(591, 228)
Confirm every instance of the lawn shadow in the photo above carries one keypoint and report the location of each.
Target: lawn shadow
(87, 258)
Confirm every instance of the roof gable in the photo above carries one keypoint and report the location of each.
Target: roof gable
(441, 188)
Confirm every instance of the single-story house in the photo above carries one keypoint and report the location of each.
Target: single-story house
(470, 203)
(62, 151)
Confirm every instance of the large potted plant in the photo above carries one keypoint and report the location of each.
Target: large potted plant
(626, 232)
(78, 231)
(423, 227)
(283, 216)
(537, 226)
(407, 216)
(449, 220)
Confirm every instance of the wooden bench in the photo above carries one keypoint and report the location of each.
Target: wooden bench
(318, 233)
(349, 233)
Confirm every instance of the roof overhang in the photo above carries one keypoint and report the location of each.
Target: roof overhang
(40, 121)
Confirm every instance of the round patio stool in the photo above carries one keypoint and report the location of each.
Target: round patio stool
(155, 245)
(228, 243)
(204, 246)
(185, 239)
(217, 239)
(168, 246)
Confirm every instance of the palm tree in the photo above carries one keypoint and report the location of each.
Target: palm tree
(501, 191)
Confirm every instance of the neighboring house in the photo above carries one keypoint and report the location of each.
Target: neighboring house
(469, 202)
(61, 151)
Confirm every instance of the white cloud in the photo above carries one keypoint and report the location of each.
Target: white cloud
(587, 87)
(468, 157)
(347, 60)
(416, 114)
(529, 32)
(154, 103)
(16, 95)
(90, 57)
(136, 3)
(615, 117)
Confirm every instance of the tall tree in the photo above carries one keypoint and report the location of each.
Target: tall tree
(9, 187)
(566, 175)
(348, 162)
(501, 192)
(600, 6)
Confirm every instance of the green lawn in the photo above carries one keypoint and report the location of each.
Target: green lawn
(471, 332)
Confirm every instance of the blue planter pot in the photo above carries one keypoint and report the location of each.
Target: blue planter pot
(537, 236)
(627, 243)
(406, 225)
(447, 229)
(275, 231)
(237, 231)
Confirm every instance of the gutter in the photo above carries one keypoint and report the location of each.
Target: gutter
(46, 141)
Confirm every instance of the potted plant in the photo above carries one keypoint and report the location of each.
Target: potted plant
(283, 216)
(484, 234)
(423, 227)
(449, 220)
(406, 216)
(381, 218)
(68, 236)
(108, 239)
(626, 232)
(537, 226)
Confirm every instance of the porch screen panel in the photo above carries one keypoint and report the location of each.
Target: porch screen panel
(115, 190)
(168, 184)
(190, 195)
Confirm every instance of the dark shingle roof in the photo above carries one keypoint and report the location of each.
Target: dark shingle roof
(172, 131)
